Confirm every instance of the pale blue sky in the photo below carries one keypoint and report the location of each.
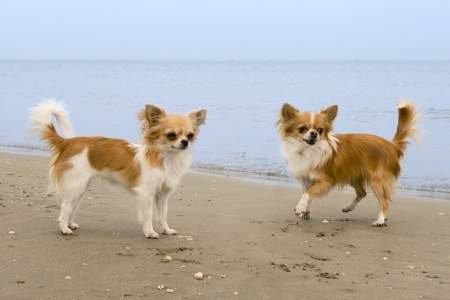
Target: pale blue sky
(224, 30)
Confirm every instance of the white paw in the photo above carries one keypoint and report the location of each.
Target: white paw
(74, 226)
(66, 231)
(170, 231)
(347, 208)
(151, 234)
(379, 223)
(303, 214)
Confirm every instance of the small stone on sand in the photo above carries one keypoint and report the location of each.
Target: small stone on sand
(385, 258)
(167, 259)
(160, 287)
(11, 232)
(170, 291)
(68, 277)
(199, 275)
(325, 221)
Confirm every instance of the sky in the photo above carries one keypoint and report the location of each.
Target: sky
(225, 30)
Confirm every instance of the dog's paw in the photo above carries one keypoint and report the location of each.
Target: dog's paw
(303, 214)
(378, 223)
(347, 209)
(74, 226)
(170, 231)
(151, 234)
(66, 231)
(306, 215)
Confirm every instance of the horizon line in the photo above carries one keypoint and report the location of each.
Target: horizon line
(218, 60)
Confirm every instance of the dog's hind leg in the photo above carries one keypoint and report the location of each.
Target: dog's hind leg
(76, 206)
(360, 194)
(382, 188)
(70, 192)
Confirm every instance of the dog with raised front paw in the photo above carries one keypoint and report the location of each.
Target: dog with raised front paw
(321, 160)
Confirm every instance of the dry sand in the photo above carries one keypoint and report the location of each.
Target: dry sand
(244, 237)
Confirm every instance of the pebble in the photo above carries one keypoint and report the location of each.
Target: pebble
(199, 275)
(325, 221)
(235, 293)
(441, 213)
(11, 232)
(160, 287)
(190, 239)
(385, 258)
(170, 291)
(108, 290)
(223, 276)
(68, 277)
(348, 252)
(84, 264)
(411, 267)
(167, 259)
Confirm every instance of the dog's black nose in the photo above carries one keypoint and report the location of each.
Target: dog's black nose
(313, 134)
(184, 143)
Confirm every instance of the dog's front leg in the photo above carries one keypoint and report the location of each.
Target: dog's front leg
(317, 188)
(146, 205)
(163, 208)
(303, 207)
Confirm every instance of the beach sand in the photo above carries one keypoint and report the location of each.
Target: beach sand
(243, 235)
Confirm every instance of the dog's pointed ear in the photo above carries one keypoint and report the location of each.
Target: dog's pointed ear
(288, 111)
(198, 117)
(151, 115)
(330, 112)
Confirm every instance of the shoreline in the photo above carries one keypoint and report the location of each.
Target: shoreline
(261, 177)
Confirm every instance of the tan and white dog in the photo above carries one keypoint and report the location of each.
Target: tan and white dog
(320, 160)
(151, 171)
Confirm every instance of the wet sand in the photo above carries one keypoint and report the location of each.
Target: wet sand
(242, 235)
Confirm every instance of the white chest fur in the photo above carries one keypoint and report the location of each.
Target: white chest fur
(303, 159)
(175, 166)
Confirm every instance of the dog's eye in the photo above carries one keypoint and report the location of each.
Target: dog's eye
(302, 129)
(320, 130)
(171, 136)
(190, 136)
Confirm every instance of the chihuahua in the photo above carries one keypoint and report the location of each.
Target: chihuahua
(320, 159)
(151, 170)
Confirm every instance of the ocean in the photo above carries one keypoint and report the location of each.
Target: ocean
(243, 99)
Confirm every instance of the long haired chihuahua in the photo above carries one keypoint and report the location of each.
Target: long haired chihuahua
(150, 171)
(320, 160)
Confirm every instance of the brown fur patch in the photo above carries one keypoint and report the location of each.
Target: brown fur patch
(154, 158)
(104, 154)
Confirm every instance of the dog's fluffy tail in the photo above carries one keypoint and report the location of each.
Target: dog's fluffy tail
(42, 120)
(406, 130)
